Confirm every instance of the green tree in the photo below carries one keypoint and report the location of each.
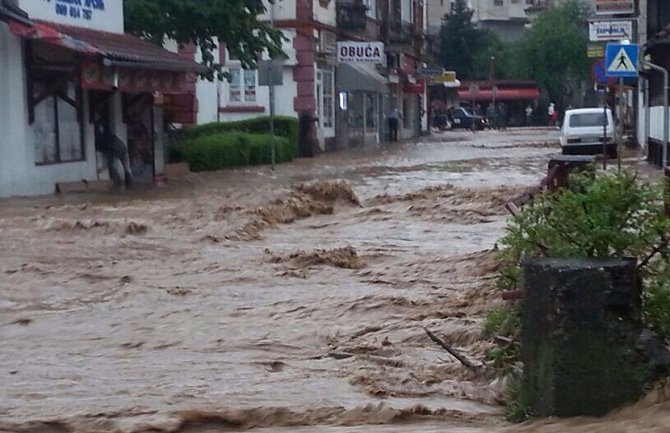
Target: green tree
(461, 44)
(234, 23)
(553, 51)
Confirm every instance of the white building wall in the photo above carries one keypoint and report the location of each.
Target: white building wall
(436, 10)
(283, 10)
(208, 105)
(326, 15)
(656, 123)
(19, 175)
(212, 95)
(108, 18)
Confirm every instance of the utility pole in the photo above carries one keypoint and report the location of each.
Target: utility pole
(272, 97)
(493, 88)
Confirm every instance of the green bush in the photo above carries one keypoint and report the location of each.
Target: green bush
(601, 215)
(214, 152)
(286, 127)
(503, 321)
(656, 303)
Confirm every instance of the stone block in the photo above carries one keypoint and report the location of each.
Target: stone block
(581, 319)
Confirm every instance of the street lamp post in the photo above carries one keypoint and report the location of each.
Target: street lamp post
(493, 87)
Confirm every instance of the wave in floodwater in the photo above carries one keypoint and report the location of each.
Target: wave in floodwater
(290, 301)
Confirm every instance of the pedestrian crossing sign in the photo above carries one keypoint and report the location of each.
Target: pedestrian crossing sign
(621, 60)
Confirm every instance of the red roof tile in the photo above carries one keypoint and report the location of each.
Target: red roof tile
(127, 47)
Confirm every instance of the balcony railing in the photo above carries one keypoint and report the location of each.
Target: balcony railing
(400, 32)
(351, 15)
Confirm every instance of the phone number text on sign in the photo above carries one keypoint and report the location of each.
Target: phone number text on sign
(78, 9)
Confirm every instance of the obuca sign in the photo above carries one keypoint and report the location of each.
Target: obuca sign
(369, 52)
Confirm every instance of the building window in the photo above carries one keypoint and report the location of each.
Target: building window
(57, 128)
(497, 2)
(242, 85)
(372, 8)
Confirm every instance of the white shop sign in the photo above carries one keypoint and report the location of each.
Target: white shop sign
(104, 15)
(353, 52)
(610, 30)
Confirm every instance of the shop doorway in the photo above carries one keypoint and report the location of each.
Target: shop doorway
(138, 116)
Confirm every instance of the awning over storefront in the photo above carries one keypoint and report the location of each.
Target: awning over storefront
(357, 78)
(515, 94)
(110, 60)
(41, 32)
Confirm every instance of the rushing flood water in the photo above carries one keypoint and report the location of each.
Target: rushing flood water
(277, 301)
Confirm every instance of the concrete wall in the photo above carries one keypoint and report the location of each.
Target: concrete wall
(108, 16)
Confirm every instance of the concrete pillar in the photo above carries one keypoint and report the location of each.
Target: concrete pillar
(581, 319)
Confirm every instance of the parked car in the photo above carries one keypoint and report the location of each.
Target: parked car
(460, 117)
(584, 131)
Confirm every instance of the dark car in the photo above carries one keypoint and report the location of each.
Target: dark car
(460, 117)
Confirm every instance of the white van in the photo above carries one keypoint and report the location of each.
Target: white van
(582, 132)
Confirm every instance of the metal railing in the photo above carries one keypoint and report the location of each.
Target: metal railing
(351, 15)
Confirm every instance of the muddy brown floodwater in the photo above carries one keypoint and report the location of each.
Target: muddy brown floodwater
(282, 302)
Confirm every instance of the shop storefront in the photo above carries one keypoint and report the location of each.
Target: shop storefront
(362, 98)
(515, 95)
(61, 73)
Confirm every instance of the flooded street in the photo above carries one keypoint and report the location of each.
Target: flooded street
(292, 301)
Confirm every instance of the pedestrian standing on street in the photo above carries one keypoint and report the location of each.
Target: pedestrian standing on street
(114, 149)
(502, 115)
(394, 118)
(491, 115)
(529, 115)
(551, 112)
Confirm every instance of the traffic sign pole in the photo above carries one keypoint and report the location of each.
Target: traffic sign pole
(621, 125)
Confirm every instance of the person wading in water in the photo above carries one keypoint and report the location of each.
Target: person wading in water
(114, 149)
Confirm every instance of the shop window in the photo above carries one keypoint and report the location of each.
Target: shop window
(242, 85)
(56, 123)
(328, 99)
(497, 2)
(372, 115)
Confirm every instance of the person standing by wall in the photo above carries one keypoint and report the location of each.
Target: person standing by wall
(491, 116)
(529, 115)
(502, 115)
(394, 118)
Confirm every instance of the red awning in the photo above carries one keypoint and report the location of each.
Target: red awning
(517, 94)
(45, 33)
(122, 50)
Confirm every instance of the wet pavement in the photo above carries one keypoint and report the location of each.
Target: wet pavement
(279, 301)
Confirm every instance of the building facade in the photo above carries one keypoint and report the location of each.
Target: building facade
(507, 18)
(64, 66)
(651, 117)
(349, 99)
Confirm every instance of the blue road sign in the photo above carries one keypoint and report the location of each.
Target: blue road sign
(599, 73)
(621, 60)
